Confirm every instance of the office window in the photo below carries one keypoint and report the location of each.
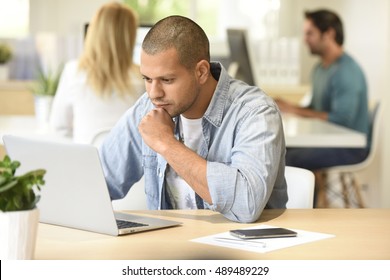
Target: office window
(204, 12)
(259, 17)
(14, 18)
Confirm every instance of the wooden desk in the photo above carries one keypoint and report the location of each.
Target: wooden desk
(308, 133)
(16, 97)
(360, 234)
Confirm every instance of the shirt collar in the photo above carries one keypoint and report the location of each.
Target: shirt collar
(215, 110)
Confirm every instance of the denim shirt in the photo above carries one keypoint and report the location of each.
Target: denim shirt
(243, 145)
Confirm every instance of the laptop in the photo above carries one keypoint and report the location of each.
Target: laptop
(75, 193)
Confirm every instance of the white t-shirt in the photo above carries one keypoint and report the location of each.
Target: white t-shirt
(182, 196)
(78, 112)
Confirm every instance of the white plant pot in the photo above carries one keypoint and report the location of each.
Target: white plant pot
(4, 72)
(18, 232)
(43, 107)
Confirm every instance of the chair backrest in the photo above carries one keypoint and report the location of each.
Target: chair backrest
(373, 136)
(99, 135)
(372, 139)
(300, 187)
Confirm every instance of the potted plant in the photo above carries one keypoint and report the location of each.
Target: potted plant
(5, 56)
(44, 90)
(19, 215)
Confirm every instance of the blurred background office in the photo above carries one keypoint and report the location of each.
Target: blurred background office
(50, 32)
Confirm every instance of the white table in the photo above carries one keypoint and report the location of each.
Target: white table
(28, 126)
(308, 132)
(299, 132)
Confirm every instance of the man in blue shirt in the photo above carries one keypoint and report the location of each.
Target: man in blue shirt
(339, 93)
(200, 138)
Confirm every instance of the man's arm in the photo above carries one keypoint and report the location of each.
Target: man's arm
(157, 130)
(240, 184)
(303, 112)
(120, 153)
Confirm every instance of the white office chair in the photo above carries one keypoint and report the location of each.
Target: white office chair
(300, 187)
(350, 188)
(134, 200)
(99, 135)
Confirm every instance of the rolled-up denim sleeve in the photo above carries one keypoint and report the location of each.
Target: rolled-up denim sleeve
(120, 154)
(241, 189)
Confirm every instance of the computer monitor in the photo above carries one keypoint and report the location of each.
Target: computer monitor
(240, 64)
(86, 25)
(142, 30)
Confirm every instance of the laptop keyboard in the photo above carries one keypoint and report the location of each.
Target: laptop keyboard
(127, 224)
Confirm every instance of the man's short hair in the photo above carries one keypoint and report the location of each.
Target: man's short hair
(181, 33)
(324, 20)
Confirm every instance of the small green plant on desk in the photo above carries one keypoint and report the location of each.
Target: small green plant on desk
(19, 193)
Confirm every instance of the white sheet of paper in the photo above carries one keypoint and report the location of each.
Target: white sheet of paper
(265, 245)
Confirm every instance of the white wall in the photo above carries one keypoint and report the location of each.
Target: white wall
(369, 43)
(58, 28)
(385, 178)
(63, 17)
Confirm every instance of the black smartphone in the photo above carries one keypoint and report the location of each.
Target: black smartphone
(263, 233)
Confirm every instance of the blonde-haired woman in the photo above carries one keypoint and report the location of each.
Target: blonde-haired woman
(97, 89)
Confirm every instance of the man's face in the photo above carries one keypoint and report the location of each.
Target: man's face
(169, 84)
(313, 38)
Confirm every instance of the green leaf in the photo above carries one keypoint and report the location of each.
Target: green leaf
(8, 186)
(47, 82)
(19, 192)
(3, 179)
(17, 202)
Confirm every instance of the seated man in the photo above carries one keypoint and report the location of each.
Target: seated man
(200, 138)
(339, 93)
